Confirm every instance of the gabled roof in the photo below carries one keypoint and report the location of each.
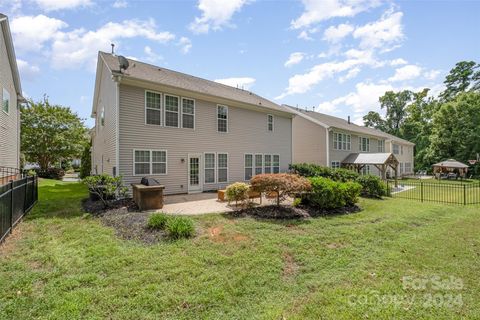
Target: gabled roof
(328, 121)
(450, 163)
(147, 72)
(369, 158)
(7, 36)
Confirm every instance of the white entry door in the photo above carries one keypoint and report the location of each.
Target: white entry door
(194, 173)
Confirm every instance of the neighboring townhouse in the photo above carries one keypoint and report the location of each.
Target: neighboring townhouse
(328, 141)
(189, 133)
(11, 96)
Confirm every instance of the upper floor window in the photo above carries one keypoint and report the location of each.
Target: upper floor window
(342, 141)
(6, 101)
(364, 144)
(102, 117)
(222, 118)
(171, 111)
(188, 113)
(153, 104)
(396, 148)
(381, 145)
(270, 122)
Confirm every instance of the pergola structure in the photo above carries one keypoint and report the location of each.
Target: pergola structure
(450, 165)
(382, 161)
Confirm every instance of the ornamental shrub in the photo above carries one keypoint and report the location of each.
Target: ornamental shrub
(105, 187)
(280, 184)
(313, 170)
(372, 186)
(329, 194)
(237, 191)
(180, 227)
(157, 221)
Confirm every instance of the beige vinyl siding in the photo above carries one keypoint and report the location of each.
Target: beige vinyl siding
(104, 144)
(9, 123)
(406, 157)
(247, 133)
(309, 142)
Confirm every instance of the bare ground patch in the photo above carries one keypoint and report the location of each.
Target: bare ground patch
(290, 266)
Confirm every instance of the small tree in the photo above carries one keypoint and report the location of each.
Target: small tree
(237, 191)
(86, 162)
(105, 187)
(280, 184)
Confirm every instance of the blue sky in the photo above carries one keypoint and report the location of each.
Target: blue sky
(338, 56)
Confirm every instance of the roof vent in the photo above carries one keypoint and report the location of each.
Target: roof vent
(348, 119)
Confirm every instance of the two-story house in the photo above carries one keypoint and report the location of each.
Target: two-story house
(189, 133)
(10, 96)
(326, 140)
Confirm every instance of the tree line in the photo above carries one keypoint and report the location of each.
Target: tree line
(442, 127)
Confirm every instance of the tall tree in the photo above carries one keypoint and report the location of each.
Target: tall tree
(455, 129)
(395, 105)
(463, 77)
(374, 120)
(50, 133)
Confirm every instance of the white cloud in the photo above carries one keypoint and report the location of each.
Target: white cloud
(215, 14)
(304, 35)
(31, 32)
(407, 72)
(352, 73)
(318, 11)
(398, 62)
(52, 5)
(432, 74)
(294, 59)
(384, 33)
(185, 45)
(151, 55)
(241, 83)
(27, 71)
(118, 4)
(335, 34)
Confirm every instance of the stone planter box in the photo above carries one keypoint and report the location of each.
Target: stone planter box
(148, 197)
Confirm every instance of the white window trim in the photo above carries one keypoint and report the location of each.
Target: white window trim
(279, 162)
(382, 144)
(214, 168)
(360, 144)
(271, 162)
(9, 99)
(161, 108)
(245, 165)
(217, 118)
(164, 105)
(344, 135)
(268, 123)
(334, 166)
(194, 112)
(150, 162)
(227, 167)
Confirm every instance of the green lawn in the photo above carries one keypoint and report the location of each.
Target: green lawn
(62, 264)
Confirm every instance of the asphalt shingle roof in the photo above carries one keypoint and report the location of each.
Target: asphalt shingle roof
(340, 123)
(151, 73)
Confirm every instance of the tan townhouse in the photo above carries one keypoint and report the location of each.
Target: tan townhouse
(189, 133)
(330, 141)
(11, 96)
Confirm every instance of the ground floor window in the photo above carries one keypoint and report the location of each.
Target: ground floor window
(401, 168)
(209, 167)
(248, 166)
(267, 163)
(258, 164)
(365, 170)
(408, 167)
(276, 163)
(335, 164)
(222, 167)
(150, 162)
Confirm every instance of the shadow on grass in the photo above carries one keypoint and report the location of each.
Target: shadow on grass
(58, 200)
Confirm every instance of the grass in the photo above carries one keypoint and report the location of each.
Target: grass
(61, 264)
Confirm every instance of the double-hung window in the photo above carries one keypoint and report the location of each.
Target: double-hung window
(335, 164)
(209, 167)
(188, 113)
(396, 149)
(150, 162)
(270, 123)
(408, 167)
(222, 160)
(381, 145)
(341, 141)
(222, 118)
(153, 108)
(276, 163)
(6, 101)
(267, 163)
(248, 166)
(364, 144)
(171, 111)
(258, 164)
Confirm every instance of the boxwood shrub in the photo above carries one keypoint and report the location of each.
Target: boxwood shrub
(328, 194)
(372, 186)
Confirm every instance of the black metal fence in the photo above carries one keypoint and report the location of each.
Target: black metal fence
(16, 199)
(465, 193)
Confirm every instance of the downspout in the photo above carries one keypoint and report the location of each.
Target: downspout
(117, 126)
(328, 146)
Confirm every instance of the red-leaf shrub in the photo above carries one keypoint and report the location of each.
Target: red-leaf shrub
(281, 184)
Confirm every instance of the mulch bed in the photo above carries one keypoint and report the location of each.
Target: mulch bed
(290, 212)
(97, 208)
